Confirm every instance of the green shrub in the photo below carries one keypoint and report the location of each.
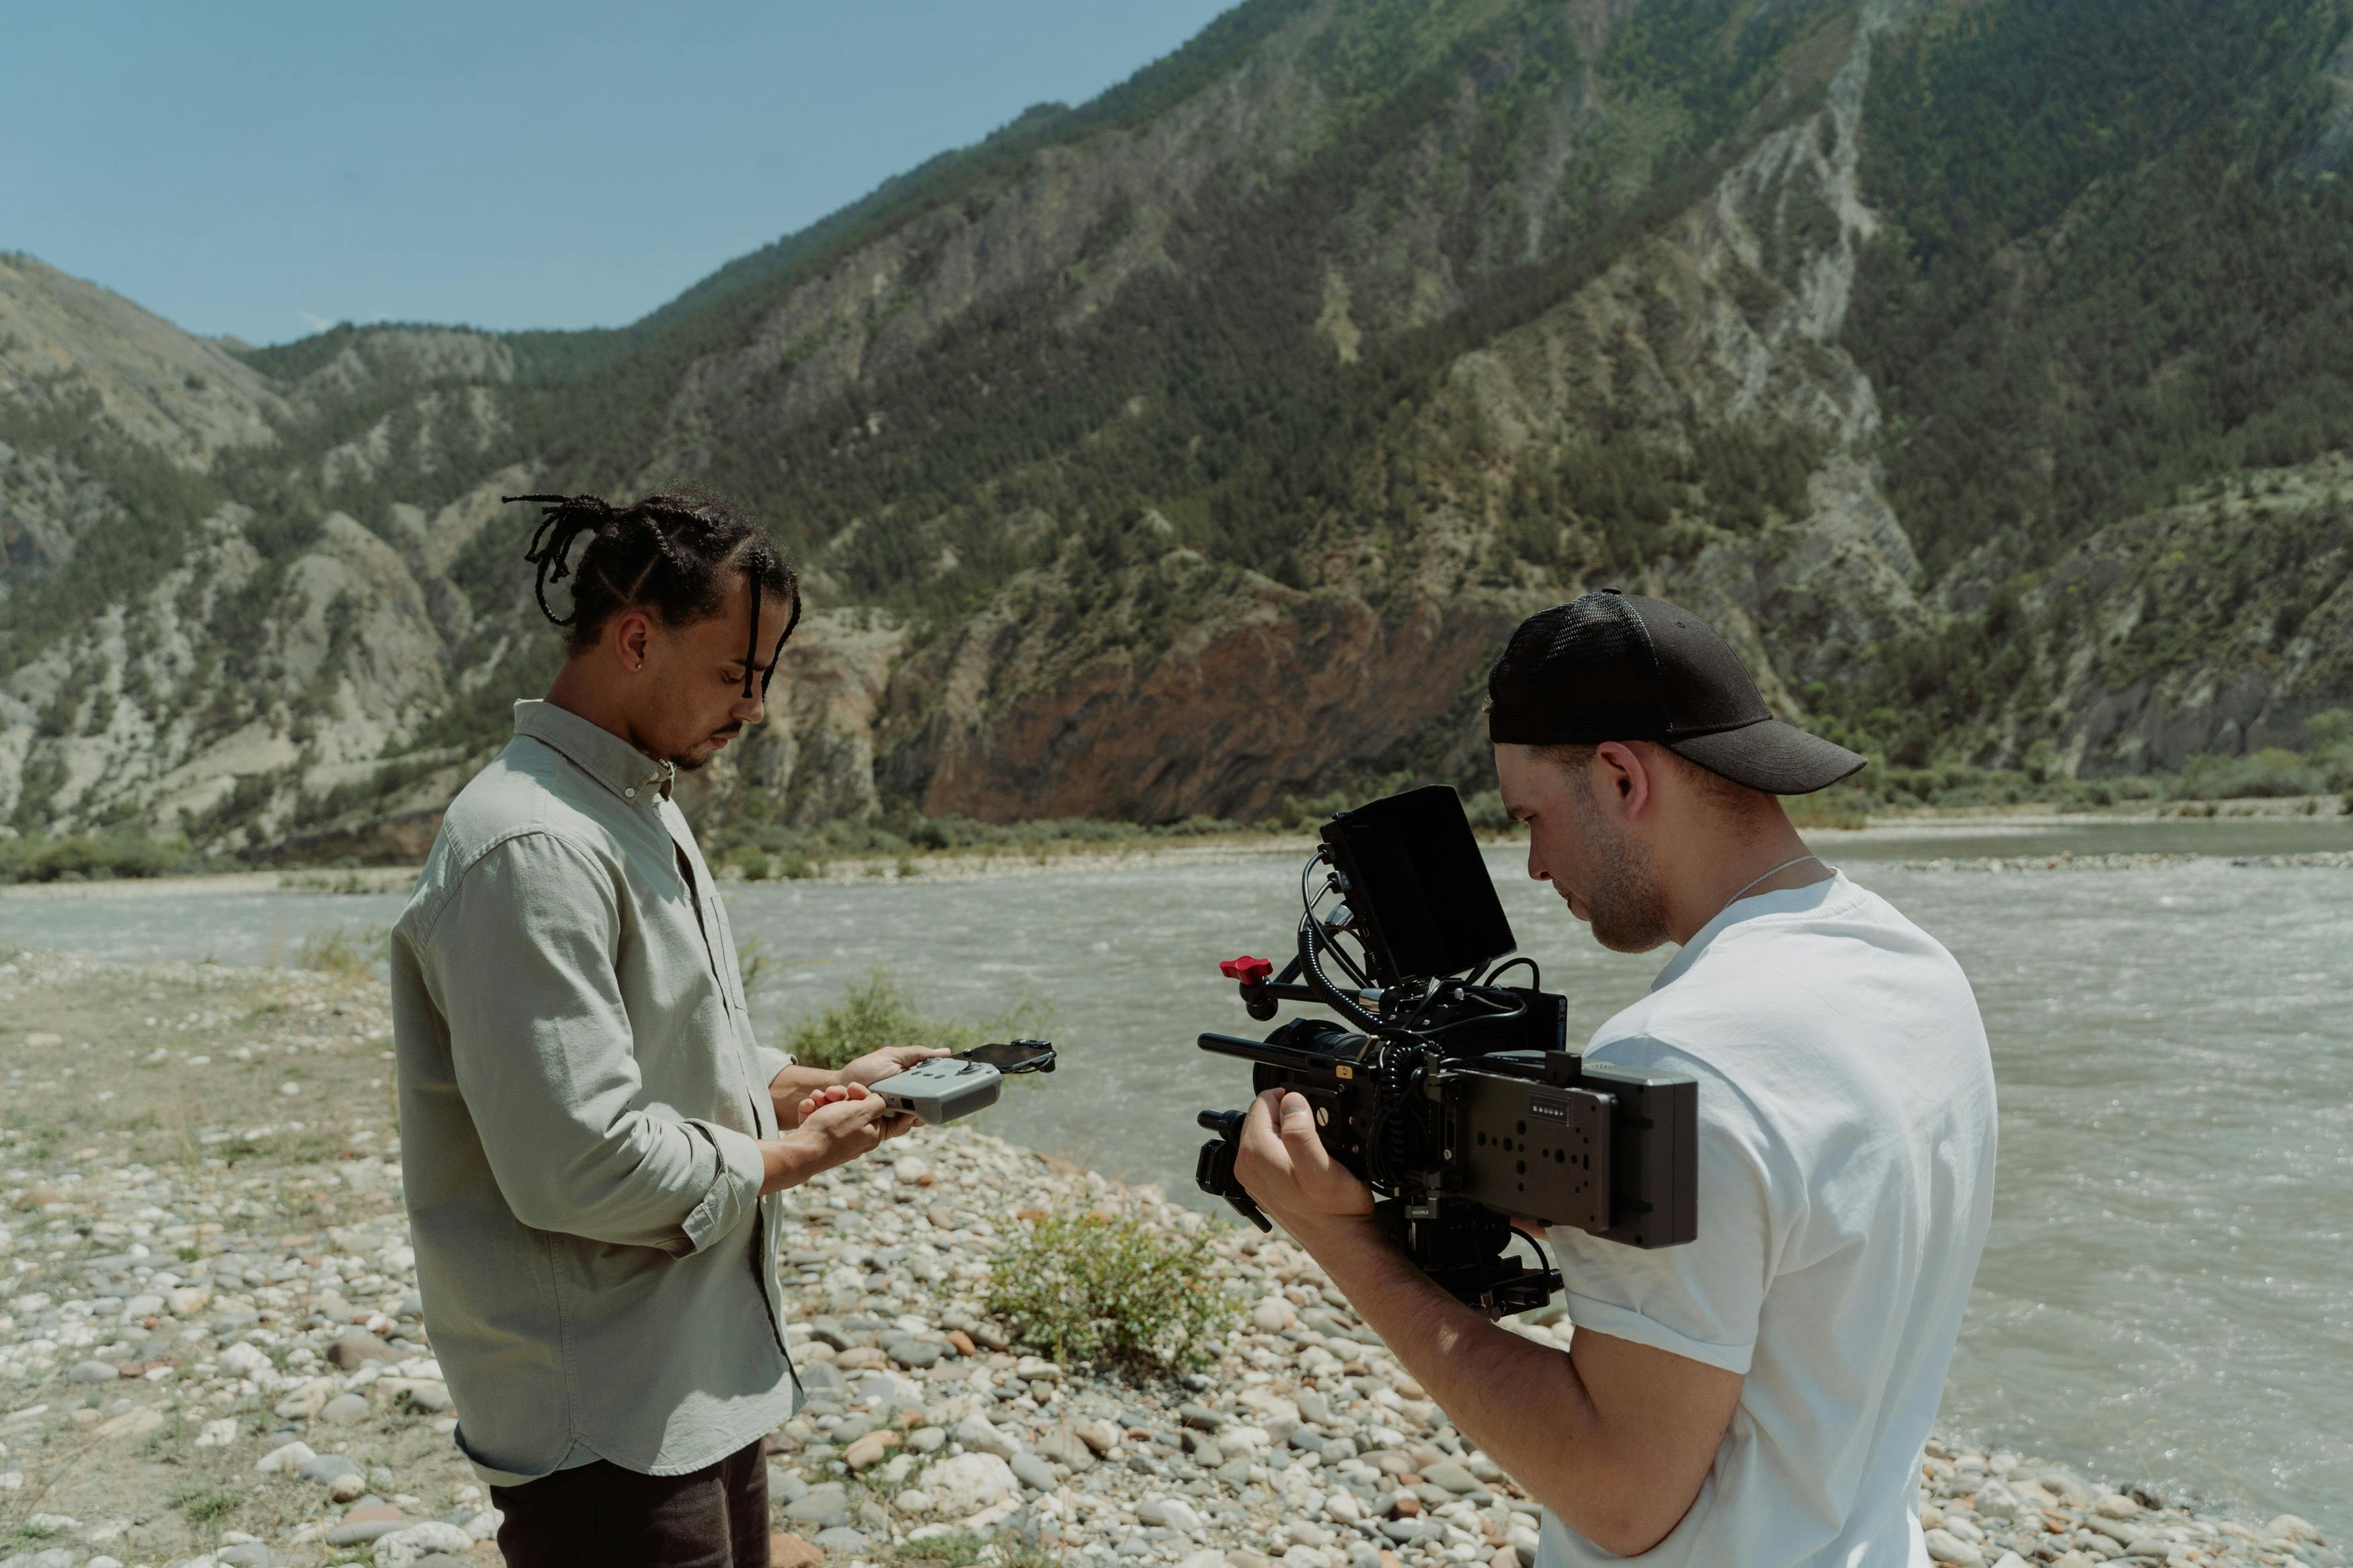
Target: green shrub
(879, 1013)
(1827, 808)
(2272, 771)
(92, 855)
(1079, 1287)
(342, 951)
(962, 1548)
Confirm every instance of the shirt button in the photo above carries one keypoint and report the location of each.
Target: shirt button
(630, 792)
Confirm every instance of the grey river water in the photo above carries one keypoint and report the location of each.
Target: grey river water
(2167, 1295)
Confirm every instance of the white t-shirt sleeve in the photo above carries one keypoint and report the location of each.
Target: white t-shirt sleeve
(1701, 1300)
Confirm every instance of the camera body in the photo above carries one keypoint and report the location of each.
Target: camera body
(1455, 1098)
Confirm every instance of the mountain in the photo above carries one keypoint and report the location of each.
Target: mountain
(1977, 366)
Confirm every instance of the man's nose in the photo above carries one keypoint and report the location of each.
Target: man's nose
(750, 709)
(1536, 873)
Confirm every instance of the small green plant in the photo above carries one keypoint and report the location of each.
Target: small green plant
(965, 1549)
(205, 1504)
(282, 1148)
(1079, 1287)
(342, 951)
(879, 1013)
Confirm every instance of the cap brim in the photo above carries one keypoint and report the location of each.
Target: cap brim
(1778, 758)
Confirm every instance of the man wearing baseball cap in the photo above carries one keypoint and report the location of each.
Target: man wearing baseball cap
(1761, 1396)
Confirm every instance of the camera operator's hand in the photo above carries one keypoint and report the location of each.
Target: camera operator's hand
(1284, 1167)
(835, 1125)
(875, 1066)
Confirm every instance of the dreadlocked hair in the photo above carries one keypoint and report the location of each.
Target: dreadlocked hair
(674, 554)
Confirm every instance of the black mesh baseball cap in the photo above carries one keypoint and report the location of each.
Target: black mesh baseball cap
(1619, 666)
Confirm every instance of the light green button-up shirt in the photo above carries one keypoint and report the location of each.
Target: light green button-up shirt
(580, 1102)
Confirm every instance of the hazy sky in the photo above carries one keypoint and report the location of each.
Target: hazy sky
(269, 169)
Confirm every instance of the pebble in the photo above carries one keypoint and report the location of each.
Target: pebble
(365, 1523)
(1454, 1477)
(1173, 1512)
(820, 1505)
(406, 1547)
(1946, 1547)
(969, 1482)
(975, 1432)
(285, 1456)
(344, 1408)
(1067, 1448)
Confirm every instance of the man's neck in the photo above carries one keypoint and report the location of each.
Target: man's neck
(1740, 866)
(578, 694)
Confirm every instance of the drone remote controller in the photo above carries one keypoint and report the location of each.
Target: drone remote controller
(947, 1087)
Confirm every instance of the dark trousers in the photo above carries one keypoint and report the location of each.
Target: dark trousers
(600, 1514)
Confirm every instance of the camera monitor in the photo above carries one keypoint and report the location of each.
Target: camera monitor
(1418, 886)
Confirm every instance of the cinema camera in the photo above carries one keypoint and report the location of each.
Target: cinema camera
(1455, 1098)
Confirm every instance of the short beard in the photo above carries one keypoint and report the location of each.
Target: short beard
(692, 764)
(1624, 901)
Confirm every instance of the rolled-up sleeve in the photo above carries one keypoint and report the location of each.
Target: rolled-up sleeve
(523, 960)
(771, 1062)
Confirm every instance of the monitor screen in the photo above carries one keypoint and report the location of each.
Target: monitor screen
(1423, 900)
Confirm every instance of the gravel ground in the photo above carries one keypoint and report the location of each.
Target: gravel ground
(211, 1350)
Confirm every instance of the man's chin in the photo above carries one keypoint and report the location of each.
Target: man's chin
(1629, 941)
(696, 760)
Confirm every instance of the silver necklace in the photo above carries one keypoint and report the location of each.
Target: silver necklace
(1774, 872)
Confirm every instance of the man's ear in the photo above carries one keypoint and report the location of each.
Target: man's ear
(632, 635)
(1623, 780)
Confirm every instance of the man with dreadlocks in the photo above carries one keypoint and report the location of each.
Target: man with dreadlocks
(590, 1136)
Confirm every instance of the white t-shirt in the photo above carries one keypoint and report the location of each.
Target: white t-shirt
(1846, 1154)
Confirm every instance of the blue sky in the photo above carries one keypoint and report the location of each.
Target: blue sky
(267, 169)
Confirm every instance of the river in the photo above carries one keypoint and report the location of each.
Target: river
(2168, 1293)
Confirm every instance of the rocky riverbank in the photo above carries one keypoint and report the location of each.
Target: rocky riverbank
(212, 1353)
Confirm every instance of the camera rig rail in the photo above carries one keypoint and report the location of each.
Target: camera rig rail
(1454, 1098)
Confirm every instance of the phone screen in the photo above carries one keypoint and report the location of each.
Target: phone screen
(1021, 1056)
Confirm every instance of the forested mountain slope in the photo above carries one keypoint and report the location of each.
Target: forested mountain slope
(1981, 368)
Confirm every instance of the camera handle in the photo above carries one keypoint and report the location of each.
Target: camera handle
(1214, 1172)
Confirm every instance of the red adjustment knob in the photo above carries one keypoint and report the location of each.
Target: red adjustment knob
(1248, 970)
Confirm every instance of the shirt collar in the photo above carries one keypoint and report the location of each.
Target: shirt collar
(1781, 900)
(600, 754)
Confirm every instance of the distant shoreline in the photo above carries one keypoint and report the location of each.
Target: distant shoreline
(1081, 855)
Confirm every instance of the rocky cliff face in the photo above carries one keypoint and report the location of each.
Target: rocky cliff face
(1177, 455)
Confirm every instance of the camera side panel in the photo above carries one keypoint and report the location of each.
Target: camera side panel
(1529, 1149)
(1654, 1159)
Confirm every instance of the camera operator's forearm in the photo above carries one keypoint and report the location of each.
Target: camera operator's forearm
(1525, 1406)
